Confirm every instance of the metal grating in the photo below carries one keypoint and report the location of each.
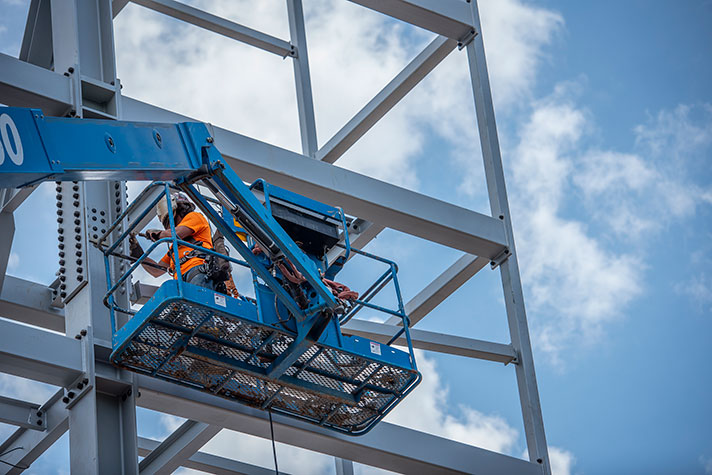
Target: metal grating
(195, 345)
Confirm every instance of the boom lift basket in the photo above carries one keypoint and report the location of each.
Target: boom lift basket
(243, 349)
(283, 350)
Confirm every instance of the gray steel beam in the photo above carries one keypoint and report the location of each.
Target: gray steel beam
(359, 195)
(509, 268)
(37, 40)
(433, 341)
(21, 296)
(387, 446)
(386, 99)
(302, 78)
(23, 349)
(178, 447)
(117, 6)
(441, 288)
(39, 355)
(449, 18)
(14, 197)
(21, 413)
(26, 85)
(368, 198)
(209, 463)
(218, 25)
(102, 426)
(34, 442)
(344, 467)
(359, 236)
(30, 303)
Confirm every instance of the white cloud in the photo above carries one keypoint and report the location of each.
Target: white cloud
(426, 409)
(562, 461)
(643, 192)
(572, 274)
(566, 269)
(258, 451)
(13, 261)
(515, 36)
(706, 463)
(353, 52)
(252, 92)
(25, 389)
(699, 289)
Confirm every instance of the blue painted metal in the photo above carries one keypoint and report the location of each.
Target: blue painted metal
(216, 344)
(284, 350)
(79, 149)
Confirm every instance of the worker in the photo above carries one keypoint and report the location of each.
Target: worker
(191, 227)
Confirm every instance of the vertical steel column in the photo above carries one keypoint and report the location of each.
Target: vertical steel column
(344, 467)
(102, 425)
(7, 232)
(302, 78)
(509, 268)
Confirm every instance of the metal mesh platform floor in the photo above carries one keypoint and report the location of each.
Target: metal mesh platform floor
(192, 342)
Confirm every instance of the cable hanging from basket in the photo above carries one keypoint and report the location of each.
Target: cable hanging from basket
(274, 447)
(19, 467)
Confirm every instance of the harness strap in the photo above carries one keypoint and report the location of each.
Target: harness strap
(190, 254)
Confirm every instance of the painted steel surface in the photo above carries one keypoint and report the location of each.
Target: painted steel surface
(36, 148)
(214, 343)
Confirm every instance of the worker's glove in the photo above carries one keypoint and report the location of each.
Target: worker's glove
(134, 246)
(154, 234)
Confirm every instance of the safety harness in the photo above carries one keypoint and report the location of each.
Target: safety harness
(190, 254)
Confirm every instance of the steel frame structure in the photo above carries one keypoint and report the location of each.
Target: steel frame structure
(71, 71)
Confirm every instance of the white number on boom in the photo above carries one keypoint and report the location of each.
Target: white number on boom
(17, 155)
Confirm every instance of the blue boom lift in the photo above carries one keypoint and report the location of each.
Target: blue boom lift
(281, 351)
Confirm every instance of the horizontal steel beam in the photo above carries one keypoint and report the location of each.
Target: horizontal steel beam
(117, 6)
(433, 341)
(219, 25)
(184, 442)
(56, 359)
(359, 195)
(209, 463)
(451, 18)
(30, 303)
(441, 288)
(21, 413)
(387, 446)
(34, 442)
(385, 100)
(26, 85)
(38, 354)
(20, 296)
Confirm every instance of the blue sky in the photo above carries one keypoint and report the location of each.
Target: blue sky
(605, 117)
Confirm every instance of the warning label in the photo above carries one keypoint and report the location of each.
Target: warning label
(375, 348)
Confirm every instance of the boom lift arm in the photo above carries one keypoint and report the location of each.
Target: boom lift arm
(281, 351)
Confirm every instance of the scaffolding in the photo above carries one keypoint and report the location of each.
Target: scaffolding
(67, 68)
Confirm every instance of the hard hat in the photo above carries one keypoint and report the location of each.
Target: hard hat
(162, 205)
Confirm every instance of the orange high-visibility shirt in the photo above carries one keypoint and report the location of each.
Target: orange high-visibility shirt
(201, 233)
